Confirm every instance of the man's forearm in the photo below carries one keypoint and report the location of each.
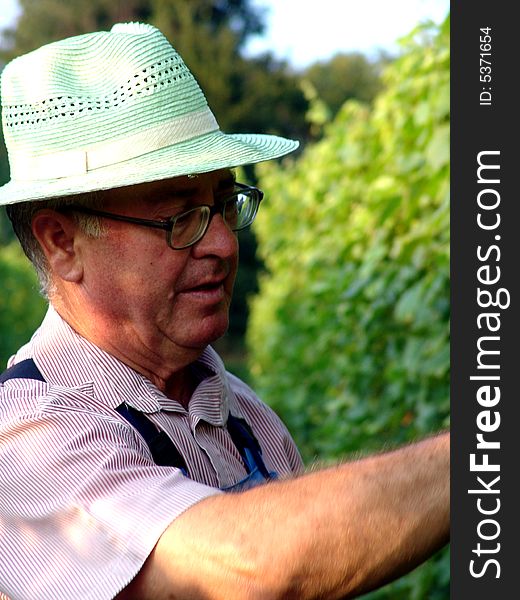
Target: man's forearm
(333, 533)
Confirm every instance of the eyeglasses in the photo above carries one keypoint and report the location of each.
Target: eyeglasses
(185, 229)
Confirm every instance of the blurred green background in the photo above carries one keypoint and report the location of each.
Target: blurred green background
(341, 314)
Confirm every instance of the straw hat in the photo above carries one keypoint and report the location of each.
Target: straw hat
(111, 109)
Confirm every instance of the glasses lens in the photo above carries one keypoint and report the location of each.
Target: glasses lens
(240, 211)
(189, 227)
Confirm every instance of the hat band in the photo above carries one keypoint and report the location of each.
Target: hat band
(72, 163)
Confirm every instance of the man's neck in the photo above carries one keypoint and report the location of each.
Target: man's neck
(173, 375)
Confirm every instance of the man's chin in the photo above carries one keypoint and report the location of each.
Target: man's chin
(209, 333)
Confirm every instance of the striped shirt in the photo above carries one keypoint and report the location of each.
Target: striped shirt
(82, 504)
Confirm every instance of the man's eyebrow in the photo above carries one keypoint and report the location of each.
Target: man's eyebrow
(178, 193)
(227, 182)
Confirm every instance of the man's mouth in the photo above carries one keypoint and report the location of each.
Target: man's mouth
(209, 284)
(206, 287)
(212, 291)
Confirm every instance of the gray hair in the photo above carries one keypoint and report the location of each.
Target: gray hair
(21, 215)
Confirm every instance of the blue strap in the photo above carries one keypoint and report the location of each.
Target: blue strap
(247, 444)
(165, 453)
(162, 449)
(25, 369)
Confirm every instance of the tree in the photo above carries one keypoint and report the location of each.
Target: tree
(44, 21)
(346, 77)
(349, 335)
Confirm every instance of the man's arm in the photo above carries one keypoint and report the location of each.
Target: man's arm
(335, 533)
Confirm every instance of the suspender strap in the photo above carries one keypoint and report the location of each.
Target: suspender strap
(165, 453)
(25, 369)
(247, 444)
(162, 449)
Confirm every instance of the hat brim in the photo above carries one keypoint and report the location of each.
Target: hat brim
(209, 152)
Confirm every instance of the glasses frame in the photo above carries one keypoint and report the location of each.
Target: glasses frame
(208, 211)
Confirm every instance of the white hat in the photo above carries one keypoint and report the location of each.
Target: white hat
(111, 109)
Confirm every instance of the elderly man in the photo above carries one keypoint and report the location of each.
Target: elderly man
(121, 431)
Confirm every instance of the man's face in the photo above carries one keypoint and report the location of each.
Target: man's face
(156, 300)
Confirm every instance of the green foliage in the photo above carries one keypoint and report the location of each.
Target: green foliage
(349, 336)
(21, 307)
(355, 307)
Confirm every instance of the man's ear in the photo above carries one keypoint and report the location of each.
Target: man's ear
(57, 235)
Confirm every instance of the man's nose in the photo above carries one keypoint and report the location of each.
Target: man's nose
(218, 240)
